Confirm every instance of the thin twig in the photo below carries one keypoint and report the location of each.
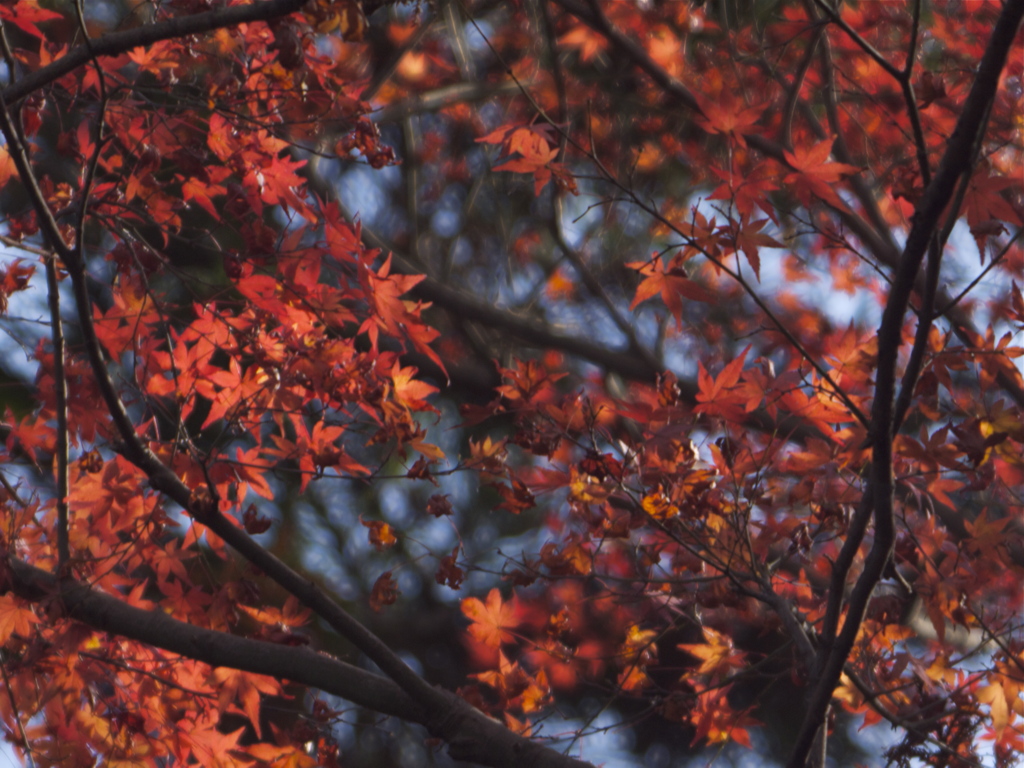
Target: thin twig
(981, 275)
(793, 97)
(16, 713)
(12, 491)
(61, 396)
(925, 319)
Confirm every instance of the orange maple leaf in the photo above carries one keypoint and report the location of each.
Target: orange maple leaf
(15, 618)
(671, 283)
(716, 721)
(533, 145)
(721, 396)
(281, 757)
(750, 239)
(245, 687)
(491, 620)
(410, 391)
(585, 41)
(382, 535)
(384, 592)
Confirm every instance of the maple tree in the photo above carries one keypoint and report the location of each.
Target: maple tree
(471, 363)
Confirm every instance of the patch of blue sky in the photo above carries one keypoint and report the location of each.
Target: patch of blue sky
(447, 219)
(608, 743)
(576, 224)
(27, 319)
(477, 35)
(589, 320)
(363, 191)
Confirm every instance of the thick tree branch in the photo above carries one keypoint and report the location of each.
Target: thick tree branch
(218, 649)
(471, 734)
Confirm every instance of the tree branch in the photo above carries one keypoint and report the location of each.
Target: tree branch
(116, 43)
(471, 734)
(218, 649)
(955, 162)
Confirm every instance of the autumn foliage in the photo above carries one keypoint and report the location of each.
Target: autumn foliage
(517, 372)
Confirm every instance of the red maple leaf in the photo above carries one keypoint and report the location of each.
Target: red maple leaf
(724, 116)
(671, 283)
(815, 175)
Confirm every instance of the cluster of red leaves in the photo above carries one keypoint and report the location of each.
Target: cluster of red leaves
(275, 355)
(672, 523)
(670, 529)
(536, 147)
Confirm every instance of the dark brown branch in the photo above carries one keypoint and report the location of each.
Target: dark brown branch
(926, 317)
(470, 734)
(116, 43)
(867, 47)
(955, 162)
(61, 402)
(793, 97)
(218, 649)
(534, 333)
(841, 567)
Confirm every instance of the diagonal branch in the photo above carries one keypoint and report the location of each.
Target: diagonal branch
(218, 649)
(448, 717)
(470, 733)
(116, 43)
(61, 402)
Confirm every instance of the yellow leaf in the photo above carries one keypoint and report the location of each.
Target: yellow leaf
(995, 697)
(716, 653)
